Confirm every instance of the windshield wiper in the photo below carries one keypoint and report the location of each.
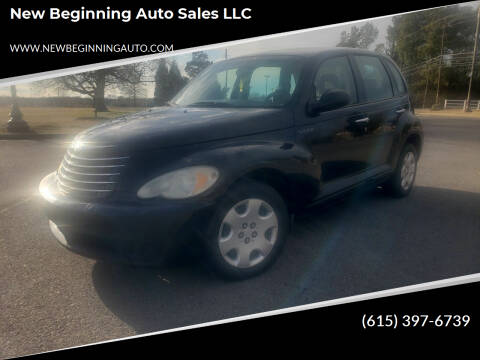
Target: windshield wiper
(210, 103)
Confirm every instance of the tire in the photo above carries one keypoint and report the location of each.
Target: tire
(247, 230)
(401, 182)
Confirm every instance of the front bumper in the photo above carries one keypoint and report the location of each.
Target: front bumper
(141, 233)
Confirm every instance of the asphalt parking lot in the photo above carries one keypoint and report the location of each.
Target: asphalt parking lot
(51, 298)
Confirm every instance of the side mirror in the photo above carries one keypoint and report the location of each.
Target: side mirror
(331, 99)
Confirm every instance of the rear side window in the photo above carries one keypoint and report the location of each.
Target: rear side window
(399, 85)
(375, 78)
(335, 73)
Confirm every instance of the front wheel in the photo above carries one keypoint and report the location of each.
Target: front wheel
(402, 180)
(247, 231)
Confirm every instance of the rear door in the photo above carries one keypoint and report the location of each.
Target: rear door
(402, 101)
(381, 106)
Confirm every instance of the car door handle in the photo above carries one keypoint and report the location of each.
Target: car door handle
(362, 120)
(400, 111)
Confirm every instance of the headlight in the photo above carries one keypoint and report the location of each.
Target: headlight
(180, 184)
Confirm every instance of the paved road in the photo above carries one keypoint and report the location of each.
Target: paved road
(50, 298)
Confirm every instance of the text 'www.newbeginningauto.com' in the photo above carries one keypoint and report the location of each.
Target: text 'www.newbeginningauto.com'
(90, 48)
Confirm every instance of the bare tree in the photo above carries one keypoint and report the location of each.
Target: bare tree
(133, 85)
(94, 83)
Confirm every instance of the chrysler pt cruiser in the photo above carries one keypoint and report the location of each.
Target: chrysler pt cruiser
(241, 148)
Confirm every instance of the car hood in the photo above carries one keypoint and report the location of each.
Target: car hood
(175, 126)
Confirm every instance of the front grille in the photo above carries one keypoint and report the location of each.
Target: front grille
(91, 172)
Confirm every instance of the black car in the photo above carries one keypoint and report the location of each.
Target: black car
(243, 146)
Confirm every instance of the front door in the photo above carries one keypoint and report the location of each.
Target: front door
(336, 138)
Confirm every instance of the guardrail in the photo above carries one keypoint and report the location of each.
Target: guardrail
(461, 104)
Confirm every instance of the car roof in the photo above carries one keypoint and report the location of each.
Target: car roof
(310, 52)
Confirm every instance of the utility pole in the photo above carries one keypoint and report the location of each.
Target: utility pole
(266, 84)
(472, 71)
(426, 87)
(440, 65)
(226, 71)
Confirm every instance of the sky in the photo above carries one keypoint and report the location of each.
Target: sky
(325, 36)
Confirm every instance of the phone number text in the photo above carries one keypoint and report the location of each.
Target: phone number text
(410, 321)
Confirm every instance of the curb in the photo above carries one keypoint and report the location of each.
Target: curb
(451, 115)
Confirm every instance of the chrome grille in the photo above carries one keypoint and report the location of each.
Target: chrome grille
(90, 172)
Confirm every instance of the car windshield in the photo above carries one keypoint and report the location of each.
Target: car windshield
(251, 82)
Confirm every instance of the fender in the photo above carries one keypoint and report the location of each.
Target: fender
(408, 125)
(235, 161)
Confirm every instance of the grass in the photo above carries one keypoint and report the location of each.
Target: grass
(61, 120)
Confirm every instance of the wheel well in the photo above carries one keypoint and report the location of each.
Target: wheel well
(416, 141)
(292, 191)
(274, 178)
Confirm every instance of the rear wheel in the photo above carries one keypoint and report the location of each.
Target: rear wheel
(247, 231)
(402, 180)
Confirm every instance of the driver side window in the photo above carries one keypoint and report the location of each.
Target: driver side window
(335, 73)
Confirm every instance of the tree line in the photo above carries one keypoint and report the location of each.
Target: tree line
(130, 80)
(169, 80)
(432, 47)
